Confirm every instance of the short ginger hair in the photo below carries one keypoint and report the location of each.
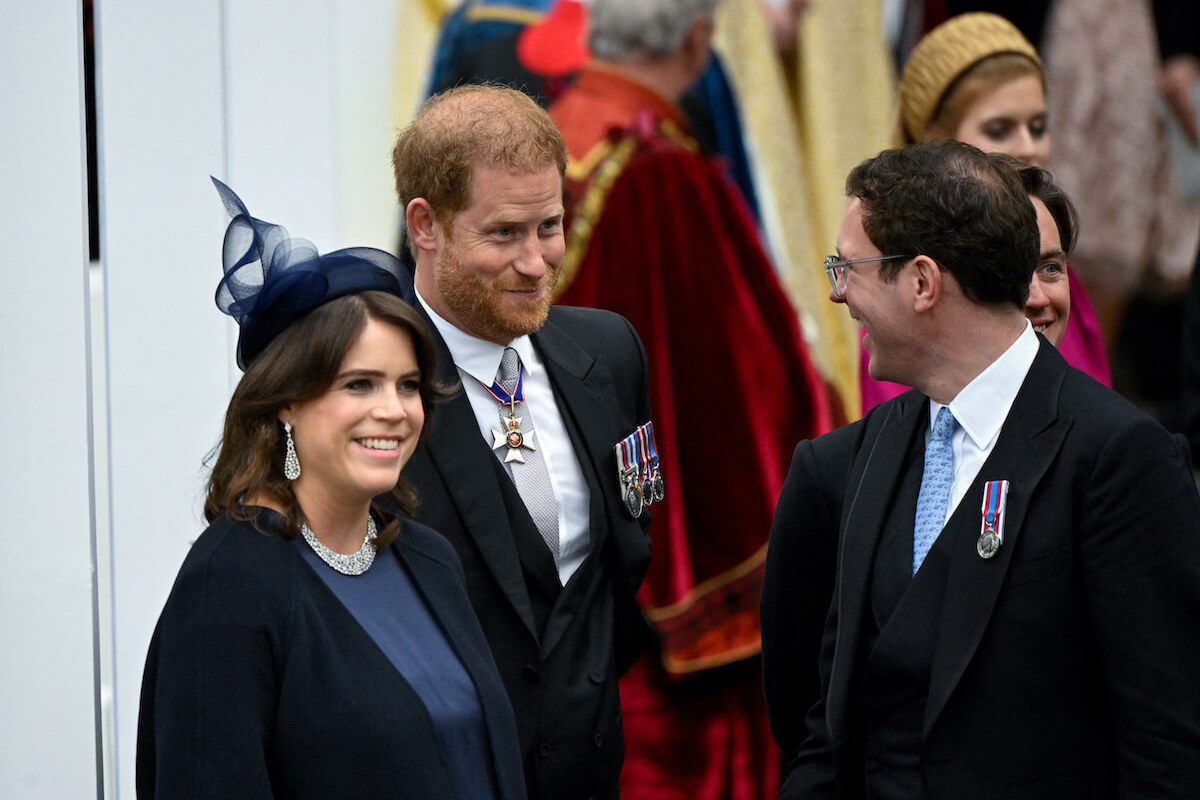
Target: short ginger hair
(467, 125)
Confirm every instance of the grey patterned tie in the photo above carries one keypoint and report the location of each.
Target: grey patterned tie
(525, 462)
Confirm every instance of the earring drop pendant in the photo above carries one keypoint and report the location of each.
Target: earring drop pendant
(291, 463)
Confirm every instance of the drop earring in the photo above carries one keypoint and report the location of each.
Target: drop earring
(291, 464)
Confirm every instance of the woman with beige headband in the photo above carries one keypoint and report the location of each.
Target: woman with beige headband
(975, 78)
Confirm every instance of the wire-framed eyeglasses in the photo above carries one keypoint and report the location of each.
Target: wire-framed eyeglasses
(835, 268)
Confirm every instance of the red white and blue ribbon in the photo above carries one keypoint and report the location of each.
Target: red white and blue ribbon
(991, 524)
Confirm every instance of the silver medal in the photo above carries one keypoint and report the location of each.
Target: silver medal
(634, 502)
(988, 544)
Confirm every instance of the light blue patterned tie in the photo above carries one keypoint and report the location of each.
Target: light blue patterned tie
(935, 486)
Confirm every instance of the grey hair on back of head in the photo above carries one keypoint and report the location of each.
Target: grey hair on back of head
(619, 29)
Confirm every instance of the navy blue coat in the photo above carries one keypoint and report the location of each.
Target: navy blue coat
(260, 684)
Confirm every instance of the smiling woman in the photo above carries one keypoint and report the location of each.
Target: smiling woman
(350, 368)
(356, 435)
(303, 587)
(1049, 305)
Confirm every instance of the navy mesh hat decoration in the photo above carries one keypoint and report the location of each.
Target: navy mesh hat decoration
(271, 279)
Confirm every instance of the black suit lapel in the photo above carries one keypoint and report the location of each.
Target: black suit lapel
(584, 395)
(464, 460)
(1030, 439)
(584, 399)
(873, 481)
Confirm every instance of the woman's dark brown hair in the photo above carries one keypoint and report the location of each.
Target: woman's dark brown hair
(300, 364)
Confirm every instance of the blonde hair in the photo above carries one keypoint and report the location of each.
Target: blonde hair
(955, 63)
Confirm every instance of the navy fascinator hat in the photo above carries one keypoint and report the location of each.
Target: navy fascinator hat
(271, 279)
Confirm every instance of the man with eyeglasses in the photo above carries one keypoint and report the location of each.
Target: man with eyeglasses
(1018, 580)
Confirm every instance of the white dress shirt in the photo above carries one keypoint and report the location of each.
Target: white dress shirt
(478, 361)
(981, 408)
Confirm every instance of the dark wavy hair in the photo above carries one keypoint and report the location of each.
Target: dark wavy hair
(300, 364)
(1040, 183)
(965, 209)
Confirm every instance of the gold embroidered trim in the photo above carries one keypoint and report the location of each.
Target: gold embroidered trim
(437, 8)
(677, 666)
(671, 130)
(716, 623)
(578, 170)
(611, 163)
(709, 586)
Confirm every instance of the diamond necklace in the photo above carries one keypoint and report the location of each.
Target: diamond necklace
(353, 564)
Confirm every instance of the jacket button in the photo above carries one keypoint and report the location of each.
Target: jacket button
(544, 750)
(597, 677)
(598, 740)
(531, 674)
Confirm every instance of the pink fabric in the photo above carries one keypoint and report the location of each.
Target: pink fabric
(1082, 346)
(874, 392)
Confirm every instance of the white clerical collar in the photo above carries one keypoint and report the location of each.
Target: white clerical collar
(477, 357)
(983, 404)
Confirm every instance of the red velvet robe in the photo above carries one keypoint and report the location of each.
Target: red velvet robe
(657, 233)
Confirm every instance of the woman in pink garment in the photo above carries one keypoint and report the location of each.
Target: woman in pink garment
(975, 78)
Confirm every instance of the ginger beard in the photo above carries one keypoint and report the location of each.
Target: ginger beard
(493, 308)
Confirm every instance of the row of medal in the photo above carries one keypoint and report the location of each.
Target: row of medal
(637, 469)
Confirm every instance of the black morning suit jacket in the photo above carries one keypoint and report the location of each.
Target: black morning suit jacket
(1064, 667)
(560, 650)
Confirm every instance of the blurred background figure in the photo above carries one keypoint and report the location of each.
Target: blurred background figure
(975, 78)
(809, 115)
(305, 613)
(657, 233)
(481, 40)
(1104, 72)
(538, 47)
(1178, 25)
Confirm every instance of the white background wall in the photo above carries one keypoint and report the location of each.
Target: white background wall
(108, 408)
(48, 725)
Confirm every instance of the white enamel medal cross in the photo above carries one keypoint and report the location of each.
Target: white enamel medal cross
(514, 440)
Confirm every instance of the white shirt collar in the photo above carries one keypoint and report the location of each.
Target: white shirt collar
(477, 357)
(983, 404)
